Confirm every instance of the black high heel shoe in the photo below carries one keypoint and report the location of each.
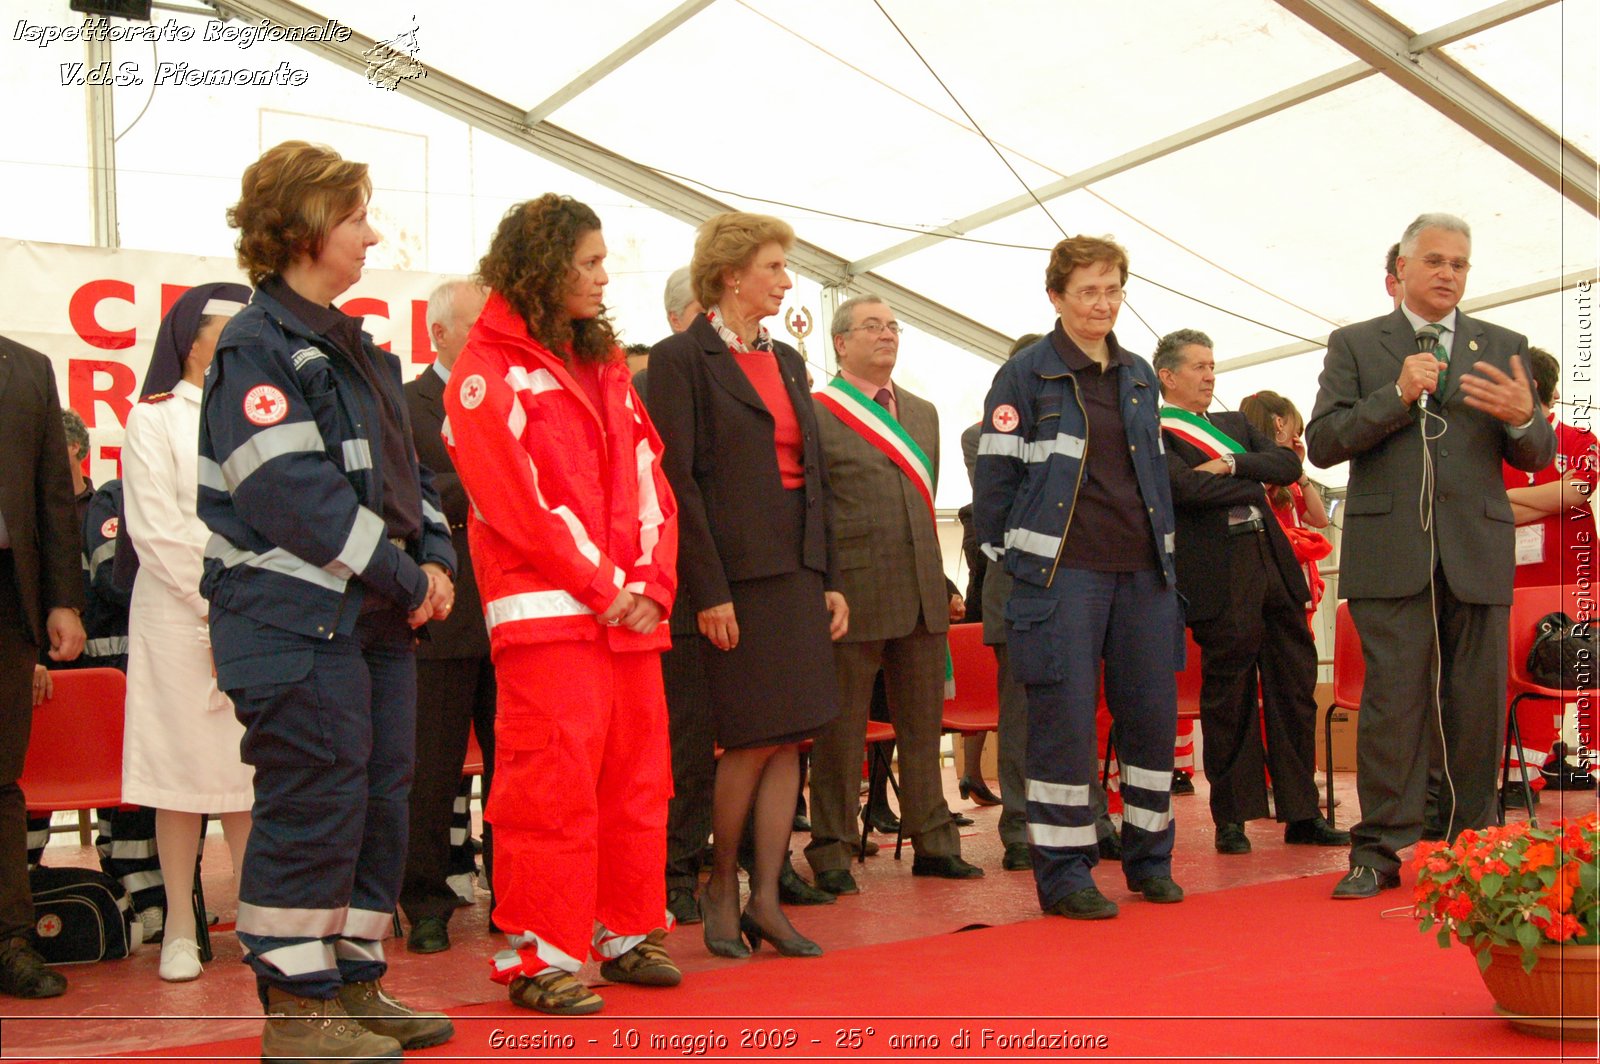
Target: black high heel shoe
(721, 947)
(798, 946)
(977, 790)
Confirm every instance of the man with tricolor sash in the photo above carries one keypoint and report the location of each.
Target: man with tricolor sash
(882, 448)
(1247, 598)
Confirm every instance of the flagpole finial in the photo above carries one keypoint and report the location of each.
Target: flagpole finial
(801, 324)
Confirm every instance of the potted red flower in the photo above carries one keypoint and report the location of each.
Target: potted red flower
(1526, 901)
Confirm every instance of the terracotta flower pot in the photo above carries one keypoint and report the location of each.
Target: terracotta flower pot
(1558, 999)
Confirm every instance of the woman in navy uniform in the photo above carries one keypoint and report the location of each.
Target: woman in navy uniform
(328, 549)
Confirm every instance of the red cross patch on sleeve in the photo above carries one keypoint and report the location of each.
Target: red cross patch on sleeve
(265, 405)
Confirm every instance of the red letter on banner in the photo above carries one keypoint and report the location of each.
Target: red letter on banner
(365, 305)
(82, 392)
(422, 352)
(81, 312)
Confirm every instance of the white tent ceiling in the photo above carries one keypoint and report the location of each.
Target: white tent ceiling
(1256, 157)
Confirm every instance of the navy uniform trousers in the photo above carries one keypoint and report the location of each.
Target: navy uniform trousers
(1058, 639)
(330, 728)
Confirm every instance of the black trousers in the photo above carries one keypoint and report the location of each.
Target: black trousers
(1259, 641)
(18, 652)
(694, 766)
(453, 695)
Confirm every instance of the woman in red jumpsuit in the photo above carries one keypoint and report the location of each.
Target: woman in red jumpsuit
(574, 537)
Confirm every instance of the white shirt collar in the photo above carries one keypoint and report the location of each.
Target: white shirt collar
(1418, 321)
(442, 370)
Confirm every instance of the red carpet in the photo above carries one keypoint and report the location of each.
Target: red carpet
(1274, 971)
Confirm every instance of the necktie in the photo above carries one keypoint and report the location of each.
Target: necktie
(882, 399)
(1440, 352)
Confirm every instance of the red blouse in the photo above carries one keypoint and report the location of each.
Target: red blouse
(762, 369)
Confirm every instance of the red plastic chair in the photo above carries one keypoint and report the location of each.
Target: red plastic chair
(75, 756)
(976, 705)
(1528, 605)
(75, 749)
(1349, 676)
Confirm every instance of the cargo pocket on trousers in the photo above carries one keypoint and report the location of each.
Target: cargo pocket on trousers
(524, 764)
(1030, 643)
(275, 697)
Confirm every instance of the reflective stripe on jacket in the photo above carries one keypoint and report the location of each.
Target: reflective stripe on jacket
(1030, 461)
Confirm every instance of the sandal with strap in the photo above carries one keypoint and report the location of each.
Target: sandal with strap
(554, 993)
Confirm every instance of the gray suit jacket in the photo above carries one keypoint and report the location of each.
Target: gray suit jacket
(1359, 418)
(36, 491)
(885, 543)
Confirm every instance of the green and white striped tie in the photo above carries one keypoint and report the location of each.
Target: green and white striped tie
(1440, 352)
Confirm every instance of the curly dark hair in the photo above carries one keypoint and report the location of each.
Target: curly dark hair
(289, 200)
(530, 264)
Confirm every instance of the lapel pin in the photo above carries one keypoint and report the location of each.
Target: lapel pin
(1472, 345)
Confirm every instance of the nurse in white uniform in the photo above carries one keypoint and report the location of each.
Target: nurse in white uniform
(180, 751)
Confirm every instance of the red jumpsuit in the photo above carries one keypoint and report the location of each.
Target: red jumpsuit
(569, 505)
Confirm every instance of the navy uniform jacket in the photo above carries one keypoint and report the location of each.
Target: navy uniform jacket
(290, 486)
(105, 621)
(1030, 459)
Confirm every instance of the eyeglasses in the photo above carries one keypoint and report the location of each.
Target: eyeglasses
(1088, 297)
(1438, 262)
(878, 328)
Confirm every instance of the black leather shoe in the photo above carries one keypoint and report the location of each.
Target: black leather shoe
(1232, 839)
(1018, 858)
(24, 974)
(792, 890)
(836, 881)
(1159, 889)
(883, 821)
(683, 905)
(428, 935)
(1314, 831)
(1364, 882)
(945, 867)
(1110, 847)
(961, 820)
(1085, 904)
(802, 824)
(1182, 782)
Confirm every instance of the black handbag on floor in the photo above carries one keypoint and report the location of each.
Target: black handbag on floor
(1564, 653)
(80, 916)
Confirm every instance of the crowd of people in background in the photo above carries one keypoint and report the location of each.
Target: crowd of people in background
(646, 577)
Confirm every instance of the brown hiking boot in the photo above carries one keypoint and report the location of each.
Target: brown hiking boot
(646, 964)
(302, 1030)
(554, 993)
(379, 1013)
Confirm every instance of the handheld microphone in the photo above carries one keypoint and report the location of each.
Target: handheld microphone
(1425, 345)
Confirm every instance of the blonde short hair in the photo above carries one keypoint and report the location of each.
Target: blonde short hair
(730, 241)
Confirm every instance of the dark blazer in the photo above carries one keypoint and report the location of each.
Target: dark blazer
(462, 634)
(723, 467)
(1360, 418)
(36, 490)
(886, 545)
(1201, 502)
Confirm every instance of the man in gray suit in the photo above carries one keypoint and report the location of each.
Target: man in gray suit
(1425, 403)
(882, 448)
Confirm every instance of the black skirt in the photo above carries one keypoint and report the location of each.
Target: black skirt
(778, 685)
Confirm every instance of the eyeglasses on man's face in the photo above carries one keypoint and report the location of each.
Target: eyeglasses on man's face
(874, 327)
(1439, 262)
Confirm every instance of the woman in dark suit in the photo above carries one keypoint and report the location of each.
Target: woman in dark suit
(734, 412)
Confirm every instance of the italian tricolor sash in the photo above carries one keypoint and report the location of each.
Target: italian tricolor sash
(1194, 429)
(875, 425)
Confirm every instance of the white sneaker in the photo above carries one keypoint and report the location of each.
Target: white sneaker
(465, 886)
(180, 960)
(153, 920)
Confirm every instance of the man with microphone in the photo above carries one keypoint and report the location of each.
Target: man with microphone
(1424, 403)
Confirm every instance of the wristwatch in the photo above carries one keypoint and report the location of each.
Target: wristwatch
(1232, 462)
